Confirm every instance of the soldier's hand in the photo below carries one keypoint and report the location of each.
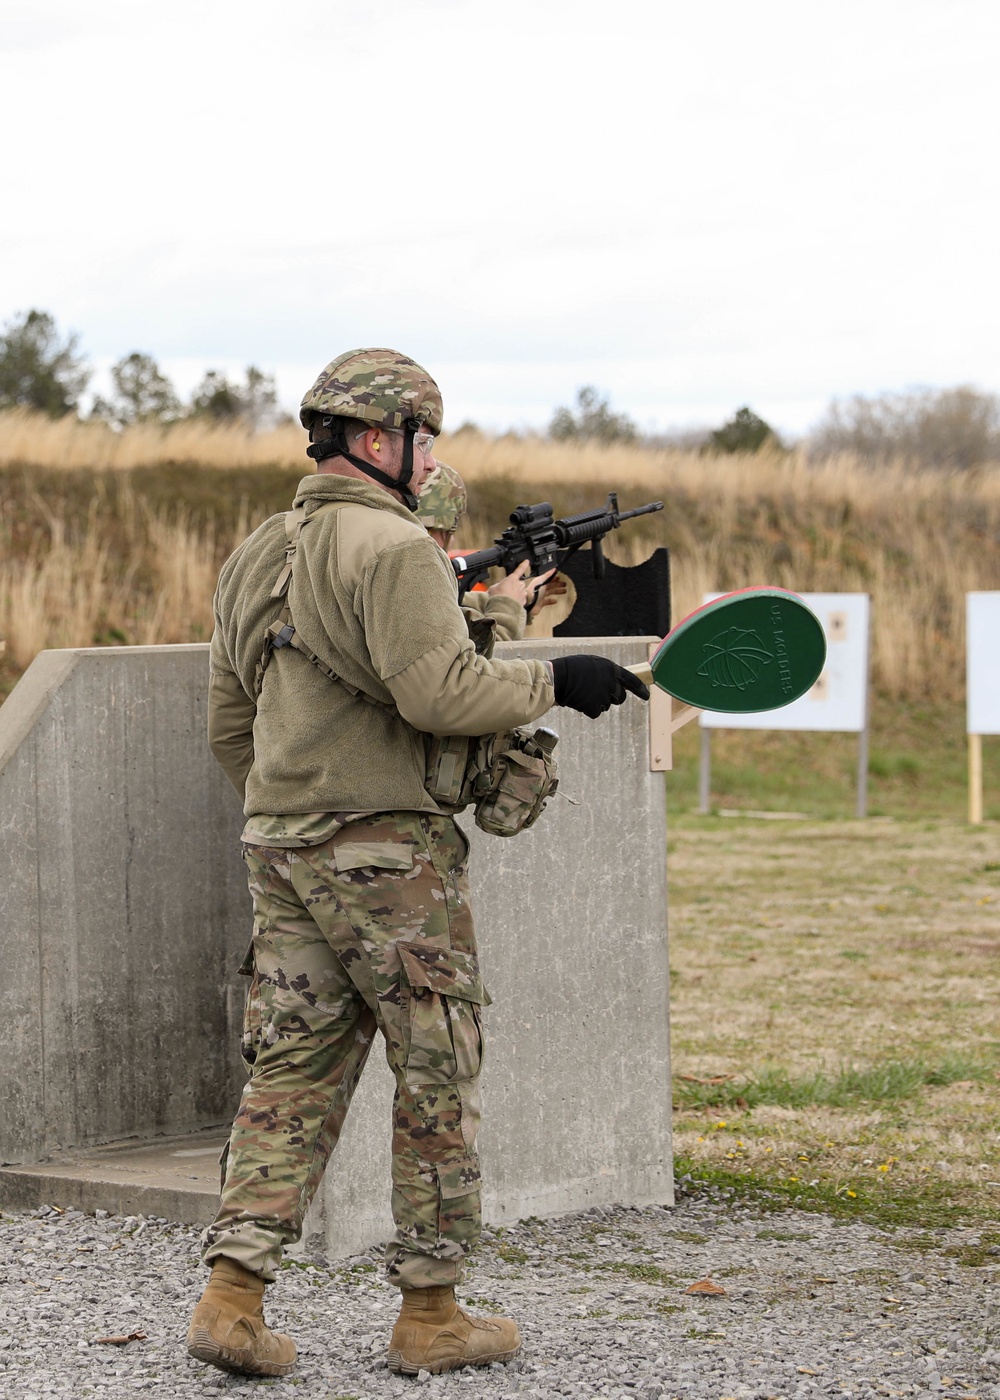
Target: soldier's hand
(592, 684)
(549, 588)
(519, 585)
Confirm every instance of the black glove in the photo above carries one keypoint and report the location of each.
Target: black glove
(592, 684)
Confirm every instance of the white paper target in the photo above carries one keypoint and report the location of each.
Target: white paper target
(838, 702)
(982, 663)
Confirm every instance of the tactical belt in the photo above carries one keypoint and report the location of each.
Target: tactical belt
(281, 632)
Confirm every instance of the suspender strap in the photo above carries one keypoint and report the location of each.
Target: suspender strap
(295, 520)
(281, 632)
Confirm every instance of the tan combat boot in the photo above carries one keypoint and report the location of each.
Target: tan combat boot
(228, 1329)
(432, 1333)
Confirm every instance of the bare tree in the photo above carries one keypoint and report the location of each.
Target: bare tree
(956, 428)
(593, 418)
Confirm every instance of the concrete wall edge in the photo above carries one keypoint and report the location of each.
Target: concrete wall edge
(30, 698)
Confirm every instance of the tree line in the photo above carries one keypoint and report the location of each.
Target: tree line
(957, 428)
(948, 428)
(952, 428)
(43, 370)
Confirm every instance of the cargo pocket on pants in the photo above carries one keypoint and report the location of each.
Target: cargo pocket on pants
(459, 1178)
(444, 1000)
(350, 856)
(459, 1210)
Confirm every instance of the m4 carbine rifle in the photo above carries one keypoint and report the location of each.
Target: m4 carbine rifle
(546, 543)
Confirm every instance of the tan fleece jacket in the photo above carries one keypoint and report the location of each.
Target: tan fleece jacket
(375, 598)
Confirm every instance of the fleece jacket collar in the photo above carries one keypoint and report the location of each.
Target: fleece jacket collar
(320, 487)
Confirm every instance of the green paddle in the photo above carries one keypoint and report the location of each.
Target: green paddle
(757, 649)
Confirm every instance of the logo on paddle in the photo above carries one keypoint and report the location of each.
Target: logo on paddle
(715, 659)
(734, 658)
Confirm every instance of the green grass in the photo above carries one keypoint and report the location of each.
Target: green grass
(642, 1273)
(838, 1080)
(510, 1254)
(917, 767)
(976, 1256)
(484, 1304)
(889, 1082)
(887, 1205)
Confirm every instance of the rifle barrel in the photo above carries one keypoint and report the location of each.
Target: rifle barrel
(641, 510)
(593, 524)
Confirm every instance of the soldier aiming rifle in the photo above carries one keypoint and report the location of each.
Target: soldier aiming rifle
(441, 504)
(544, 543)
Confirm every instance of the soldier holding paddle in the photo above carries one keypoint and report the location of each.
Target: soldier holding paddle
(339, 653)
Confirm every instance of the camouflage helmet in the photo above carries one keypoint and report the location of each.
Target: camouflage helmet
(442, 500)
(379, 386)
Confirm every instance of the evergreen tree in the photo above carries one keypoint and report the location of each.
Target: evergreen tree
(745, 432)
(38, 369)
(142, 394)
(254, 403)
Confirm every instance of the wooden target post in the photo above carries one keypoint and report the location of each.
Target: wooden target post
(982, 690)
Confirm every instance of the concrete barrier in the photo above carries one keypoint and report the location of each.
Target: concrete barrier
(122, 902)
(124, 913)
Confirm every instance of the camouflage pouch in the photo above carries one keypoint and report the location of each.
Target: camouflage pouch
(450, 770)
(451, 759)
(517, 771)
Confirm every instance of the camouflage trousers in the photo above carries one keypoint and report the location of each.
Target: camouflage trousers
(371, 930)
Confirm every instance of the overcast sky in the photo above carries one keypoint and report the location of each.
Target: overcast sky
(692, 206)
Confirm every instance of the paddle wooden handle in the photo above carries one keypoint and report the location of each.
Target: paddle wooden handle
(643, 670)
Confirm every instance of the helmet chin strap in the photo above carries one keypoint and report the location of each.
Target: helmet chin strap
(337, 447)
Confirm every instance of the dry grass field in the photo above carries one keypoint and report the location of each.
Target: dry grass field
(117, 537)
(26, 439)
(834, 1022)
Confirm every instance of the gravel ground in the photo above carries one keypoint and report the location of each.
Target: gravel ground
(812, 1307)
